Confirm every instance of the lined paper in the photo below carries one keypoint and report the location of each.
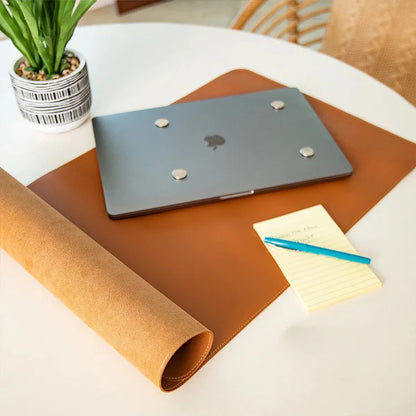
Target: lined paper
(318, 280)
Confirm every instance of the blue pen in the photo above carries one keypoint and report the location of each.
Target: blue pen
(293, 245)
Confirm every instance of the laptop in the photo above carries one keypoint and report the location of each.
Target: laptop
(186, 154)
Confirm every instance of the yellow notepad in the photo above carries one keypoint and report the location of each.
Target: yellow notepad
(318, 280)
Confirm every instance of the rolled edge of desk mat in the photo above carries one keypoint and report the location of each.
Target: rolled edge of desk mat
(158, 337)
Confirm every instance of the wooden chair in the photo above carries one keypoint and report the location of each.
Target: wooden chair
(284, 19)
(376, 36)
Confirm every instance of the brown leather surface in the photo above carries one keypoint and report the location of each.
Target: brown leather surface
(208, 259)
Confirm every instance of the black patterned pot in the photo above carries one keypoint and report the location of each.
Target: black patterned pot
(55, 105)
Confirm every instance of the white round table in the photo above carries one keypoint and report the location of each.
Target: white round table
(354, 358)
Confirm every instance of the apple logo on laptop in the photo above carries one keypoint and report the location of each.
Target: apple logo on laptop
(214, 141)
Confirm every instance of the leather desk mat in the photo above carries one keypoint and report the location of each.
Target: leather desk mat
(207, 259)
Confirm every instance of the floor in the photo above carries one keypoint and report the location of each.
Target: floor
(202, 12)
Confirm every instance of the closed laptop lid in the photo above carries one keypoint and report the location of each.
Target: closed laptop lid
(168, 157)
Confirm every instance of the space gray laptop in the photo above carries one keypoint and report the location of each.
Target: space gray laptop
(186, 154)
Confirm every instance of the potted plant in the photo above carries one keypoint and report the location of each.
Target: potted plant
(50, 82)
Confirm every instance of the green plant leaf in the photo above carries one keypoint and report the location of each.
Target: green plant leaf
(45, 27)
(27, 8)
(5, 21)
(68, 23)
(81, 9)
(11, 29)
(17, 16)
(64, 65)
(64, 13)
(41, 29)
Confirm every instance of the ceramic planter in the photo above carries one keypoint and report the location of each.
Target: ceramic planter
(55, 105)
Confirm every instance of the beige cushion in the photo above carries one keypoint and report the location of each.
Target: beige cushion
(378, 37)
